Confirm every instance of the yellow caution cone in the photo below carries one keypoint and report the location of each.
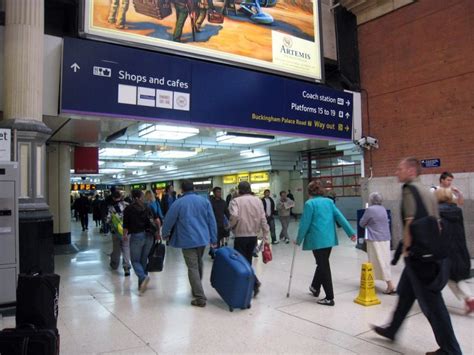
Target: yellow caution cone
(367, 296)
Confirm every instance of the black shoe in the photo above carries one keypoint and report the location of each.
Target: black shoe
(326, 302)
(287, 241)
(383, 332)
(439, 351)
(198, 303)
(113, 267)
(256, 289)
(126, 272)
(314, 291)
(275, 242)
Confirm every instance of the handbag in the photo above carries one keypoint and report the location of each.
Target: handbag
(266, 253)
(215, 17)
(156, 257)
(427, 243)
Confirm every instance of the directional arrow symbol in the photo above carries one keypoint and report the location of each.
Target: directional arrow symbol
(75, 67)
(348, 115)
(348, 103)
(347, 128)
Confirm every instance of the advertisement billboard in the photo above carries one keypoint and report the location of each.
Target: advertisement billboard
(281, 36)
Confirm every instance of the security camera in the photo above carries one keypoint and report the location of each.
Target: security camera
(367, 142)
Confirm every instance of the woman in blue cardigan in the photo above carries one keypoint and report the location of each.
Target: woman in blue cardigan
(317, 232)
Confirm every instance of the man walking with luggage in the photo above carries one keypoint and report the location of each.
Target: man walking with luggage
(421, 280)
(194, 227)
(247, 220)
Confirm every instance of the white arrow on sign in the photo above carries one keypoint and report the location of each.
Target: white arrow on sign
(348, 115)
(348, 103)
(75, 67)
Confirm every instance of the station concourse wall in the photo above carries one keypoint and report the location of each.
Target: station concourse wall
(417, 74)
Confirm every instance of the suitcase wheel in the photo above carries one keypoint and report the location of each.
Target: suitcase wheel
(231, 309)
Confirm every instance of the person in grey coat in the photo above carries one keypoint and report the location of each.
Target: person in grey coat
(375, 221)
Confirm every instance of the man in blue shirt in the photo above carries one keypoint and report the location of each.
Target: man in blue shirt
(190, 225)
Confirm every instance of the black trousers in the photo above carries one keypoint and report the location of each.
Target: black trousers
(432, 305)
(246, 246)
(322, 274)
(84, 220)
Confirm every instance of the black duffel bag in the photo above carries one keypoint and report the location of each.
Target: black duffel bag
(37, 298)
(156, 257)
(427, 243)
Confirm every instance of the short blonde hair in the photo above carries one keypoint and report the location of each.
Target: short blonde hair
(444, 194)
(315, 188)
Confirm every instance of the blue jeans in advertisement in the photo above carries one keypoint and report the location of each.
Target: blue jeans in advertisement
(140, 246)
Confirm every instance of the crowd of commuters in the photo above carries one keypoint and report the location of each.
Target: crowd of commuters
(191, 223)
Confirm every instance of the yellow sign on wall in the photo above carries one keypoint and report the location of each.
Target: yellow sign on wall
(259, 177)
(230, 179)
(243, 177)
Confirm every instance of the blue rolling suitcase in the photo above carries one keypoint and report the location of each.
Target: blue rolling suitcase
(233, 278)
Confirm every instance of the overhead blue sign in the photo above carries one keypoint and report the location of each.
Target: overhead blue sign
(109, 80)
(431, 163)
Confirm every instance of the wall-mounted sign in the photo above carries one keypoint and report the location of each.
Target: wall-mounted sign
(270, 35)
(5, 144)
(83, 187)
(108, 80)
(86, 160)
(243, 177)
(138, 187)
(259, 177)
(230, 179)
(158, 185)
(431, 163)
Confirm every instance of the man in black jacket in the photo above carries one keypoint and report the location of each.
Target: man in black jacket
(269, 208)
(219, 206)
(420, 280)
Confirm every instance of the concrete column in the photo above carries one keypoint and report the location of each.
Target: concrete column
(23, 97)
(59, 175)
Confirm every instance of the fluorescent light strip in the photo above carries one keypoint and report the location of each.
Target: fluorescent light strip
(241, 138)
(137, 164)
(176, 154)
(117, 152)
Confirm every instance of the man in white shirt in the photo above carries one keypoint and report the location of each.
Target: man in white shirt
(446, 181)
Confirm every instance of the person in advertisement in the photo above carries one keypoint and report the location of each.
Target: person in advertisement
(120, 246)
(118, 13)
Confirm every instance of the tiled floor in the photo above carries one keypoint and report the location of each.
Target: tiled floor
(102, 313)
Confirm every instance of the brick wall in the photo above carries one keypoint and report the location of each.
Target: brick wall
(417, 67)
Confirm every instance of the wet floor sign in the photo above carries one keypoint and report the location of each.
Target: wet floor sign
(367, 296)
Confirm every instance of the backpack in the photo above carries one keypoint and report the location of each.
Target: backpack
(427, 243)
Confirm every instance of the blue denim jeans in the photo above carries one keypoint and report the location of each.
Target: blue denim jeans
(140, 245)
